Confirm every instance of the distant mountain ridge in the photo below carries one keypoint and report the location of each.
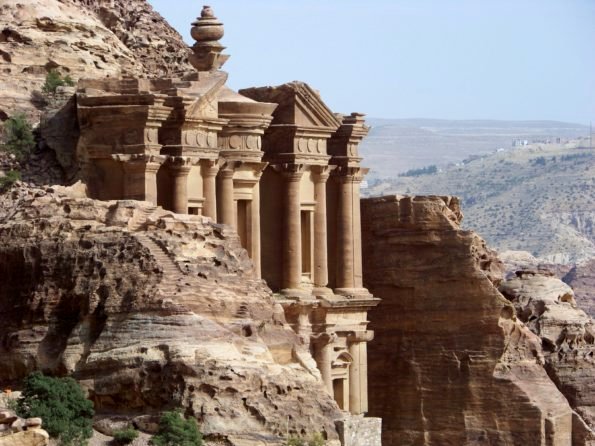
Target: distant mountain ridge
(397, 145)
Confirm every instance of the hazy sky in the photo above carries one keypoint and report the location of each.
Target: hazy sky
(453, 59)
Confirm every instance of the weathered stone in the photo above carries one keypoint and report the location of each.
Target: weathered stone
(33, 422)
(360, 431)
(26, 438)
(82, 39)
(450, 364)
(7, 417)
(149, 320)
(547, 306)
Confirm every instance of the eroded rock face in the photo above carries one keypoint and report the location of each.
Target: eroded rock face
(150, 310)
(81, 38)
(547, 306)
(581, 278)
(450, 364)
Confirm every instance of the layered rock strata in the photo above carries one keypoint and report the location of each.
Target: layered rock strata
(548, 308)
(150, 310)
(450, 363)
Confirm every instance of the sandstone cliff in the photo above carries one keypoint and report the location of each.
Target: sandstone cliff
(82, 38)
(150, 310)
(548, 308)
(450, 363)
(581, 278)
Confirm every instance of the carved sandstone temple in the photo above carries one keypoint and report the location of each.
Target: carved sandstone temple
(273, 162)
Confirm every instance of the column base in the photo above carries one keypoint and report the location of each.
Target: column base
(322, 291)
(297, 294)
(354, 293)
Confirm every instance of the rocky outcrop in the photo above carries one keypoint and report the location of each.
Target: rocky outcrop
(81, 38)
(450, 363)
(581, 278)
(16, 431)
(548, 308)
(157, 46)
(150, 310)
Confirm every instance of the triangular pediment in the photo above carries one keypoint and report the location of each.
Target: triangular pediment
(206, 92)
(299, 105)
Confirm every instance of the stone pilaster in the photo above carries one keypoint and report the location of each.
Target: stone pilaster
(179, 171)
(209, 175)
(227, 203)
(358, 372)
(255, 228)
(349, 260)
(292, 234)
(320, 276)
(323, 348)
(140, 180)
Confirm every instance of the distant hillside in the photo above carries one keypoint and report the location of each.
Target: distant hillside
(397, 145)
(539, 198)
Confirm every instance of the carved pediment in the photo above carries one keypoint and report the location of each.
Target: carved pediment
(299, 105)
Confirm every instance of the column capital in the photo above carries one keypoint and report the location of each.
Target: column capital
(226, 173)
(361, 336)
(323, 339)
(133, 166)
(291, 172)
(179, 165)
(350, 174)
(210, 167)
(321, 174)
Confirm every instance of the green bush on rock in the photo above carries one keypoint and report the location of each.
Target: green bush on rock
(61, 403)
(18, 136)
(53, 80)
(174, 430)
(8, 180)
(125, 436)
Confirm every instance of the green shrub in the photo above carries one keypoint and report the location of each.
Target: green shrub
(125, 436)
(18, 135)
(295, 441)
(53, 80)
(174, 430)
(62, 405)
(315, 440)
(8, 180)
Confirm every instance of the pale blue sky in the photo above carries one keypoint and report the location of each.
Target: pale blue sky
(452, 59)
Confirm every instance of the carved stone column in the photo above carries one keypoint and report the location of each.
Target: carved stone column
(345, 234)
(321, 175)
(227, 204)
(179, 174)
(140, 180)
(292, 233)
(358, 372)
(349, 250)
(323, 348)
(255, 228)
(209, 172)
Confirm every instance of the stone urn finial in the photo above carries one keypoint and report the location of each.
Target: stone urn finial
(207, 30)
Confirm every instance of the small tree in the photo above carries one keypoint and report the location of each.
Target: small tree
(19, 135)
(125, 436)
(174, 430)
(62, 405)
(7, 181)
(53, 80)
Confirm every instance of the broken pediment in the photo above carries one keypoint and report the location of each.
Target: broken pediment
(299, 105)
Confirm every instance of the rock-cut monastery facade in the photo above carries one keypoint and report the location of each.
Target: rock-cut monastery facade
(275, 163)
